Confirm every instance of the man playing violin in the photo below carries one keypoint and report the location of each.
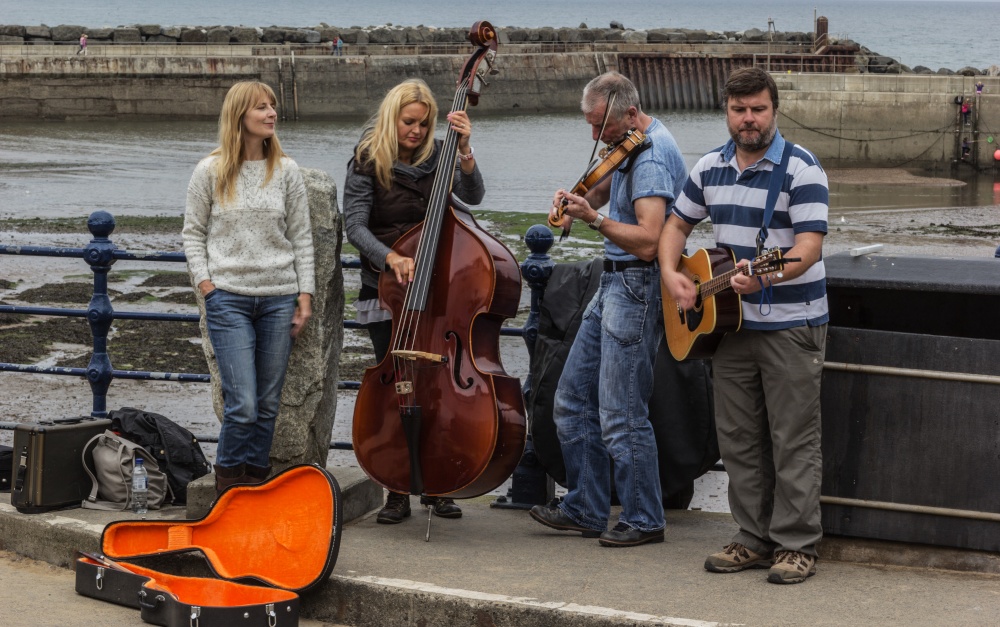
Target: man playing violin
(767, 376)
(601, 406)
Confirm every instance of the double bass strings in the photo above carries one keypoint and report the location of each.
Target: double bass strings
(416, 292)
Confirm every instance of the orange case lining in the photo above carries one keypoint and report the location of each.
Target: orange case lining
(279, 532)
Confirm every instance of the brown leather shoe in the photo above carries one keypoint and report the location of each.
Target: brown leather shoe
(226, 477)
(397, 507)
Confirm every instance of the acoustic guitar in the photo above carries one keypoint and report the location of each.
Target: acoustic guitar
(695, 333)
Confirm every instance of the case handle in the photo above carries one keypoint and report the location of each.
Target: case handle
(150, 606)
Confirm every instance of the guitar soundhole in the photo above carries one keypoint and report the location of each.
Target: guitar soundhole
(694, 314)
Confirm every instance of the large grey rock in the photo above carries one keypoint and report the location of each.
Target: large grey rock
(329, 34)
(354, 36)
(11, 39)
(40, 32)
(635, 36)
(194, 36)
(416, 35)
(174, 32)
(517, 35)
(218, 35)
(302, 36)
(568, 35)
(969, 71)
(922, 69)
(160, 39)
(150, 30)
(309, 398)
(244, 35)
(126, 36)
(65, 32)
(754, 34)
(12, 30)
(945, 72)
(105, 33)
(387, 36)
(547, 35)
(879, 64)
(273, 36)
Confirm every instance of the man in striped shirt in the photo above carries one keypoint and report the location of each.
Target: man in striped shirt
(767, 376)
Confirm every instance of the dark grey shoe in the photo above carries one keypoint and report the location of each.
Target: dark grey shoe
(445, 508)
(555, 518)
(623, 535)
(397, 507)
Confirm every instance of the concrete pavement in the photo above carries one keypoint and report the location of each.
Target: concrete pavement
(500, 568)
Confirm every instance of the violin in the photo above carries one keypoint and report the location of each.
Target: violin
(607, 162)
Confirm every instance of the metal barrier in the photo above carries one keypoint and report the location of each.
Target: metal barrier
(101, 254)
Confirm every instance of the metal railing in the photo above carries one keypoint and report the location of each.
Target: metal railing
(101, 254)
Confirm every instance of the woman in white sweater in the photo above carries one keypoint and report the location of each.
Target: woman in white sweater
(249, 247)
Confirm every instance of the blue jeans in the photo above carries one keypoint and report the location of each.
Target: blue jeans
(252, 339)
(602, 404)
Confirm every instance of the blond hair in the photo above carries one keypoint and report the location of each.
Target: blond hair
(379, 147)
(241, 98)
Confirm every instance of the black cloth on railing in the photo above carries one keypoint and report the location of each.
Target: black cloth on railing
(177, 452)
(682, 410)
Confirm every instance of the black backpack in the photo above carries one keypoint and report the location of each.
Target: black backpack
(176, 451)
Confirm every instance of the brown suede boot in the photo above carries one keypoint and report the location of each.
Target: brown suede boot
(226, 477)
(257, 474)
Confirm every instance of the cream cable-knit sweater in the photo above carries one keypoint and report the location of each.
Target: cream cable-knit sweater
(258, 245)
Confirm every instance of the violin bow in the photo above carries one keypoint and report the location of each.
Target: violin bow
(604, 124)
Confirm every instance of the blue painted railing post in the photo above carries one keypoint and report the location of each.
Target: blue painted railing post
(530, 485)
(99, 254)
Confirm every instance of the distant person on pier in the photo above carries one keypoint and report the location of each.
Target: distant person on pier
(83, 45)
(966, 149)
(979, 87)
(601, 404)
(966, 110)
(248, 241)
(340, 46)
(767, 375)
(386, 192)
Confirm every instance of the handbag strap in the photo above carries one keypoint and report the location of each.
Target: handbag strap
(777, 179)
(92, 502)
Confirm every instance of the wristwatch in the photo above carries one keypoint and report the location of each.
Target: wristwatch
(596, 224)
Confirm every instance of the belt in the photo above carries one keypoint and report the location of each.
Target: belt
(610, 265)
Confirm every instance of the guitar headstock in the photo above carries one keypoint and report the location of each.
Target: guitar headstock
(767, 262)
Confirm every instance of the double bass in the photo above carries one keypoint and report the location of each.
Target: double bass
(439, 415)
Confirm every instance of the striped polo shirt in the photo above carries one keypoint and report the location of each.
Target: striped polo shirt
(735, 202)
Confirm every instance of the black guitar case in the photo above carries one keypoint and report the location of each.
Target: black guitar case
(681, 410)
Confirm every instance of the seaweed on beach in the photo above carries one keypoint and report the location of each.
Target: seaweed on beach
(68, 292)
(153, 346)
(168, 279)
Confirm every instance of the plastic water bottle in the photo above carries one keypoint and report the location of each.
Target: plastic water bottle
(140, 488)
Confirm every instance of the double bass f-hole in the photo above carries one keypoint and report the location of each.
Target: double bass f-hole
(465, 385)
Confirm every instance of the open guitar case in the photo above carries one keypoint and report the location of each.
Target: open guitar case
(264, 544)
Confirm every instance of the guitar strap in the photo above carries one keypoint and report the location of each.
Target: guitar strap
(777, 178)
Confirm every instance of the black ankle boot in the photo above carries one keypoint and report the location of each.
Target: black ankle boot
(225, 477)
(257, 474)
(397, 507)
